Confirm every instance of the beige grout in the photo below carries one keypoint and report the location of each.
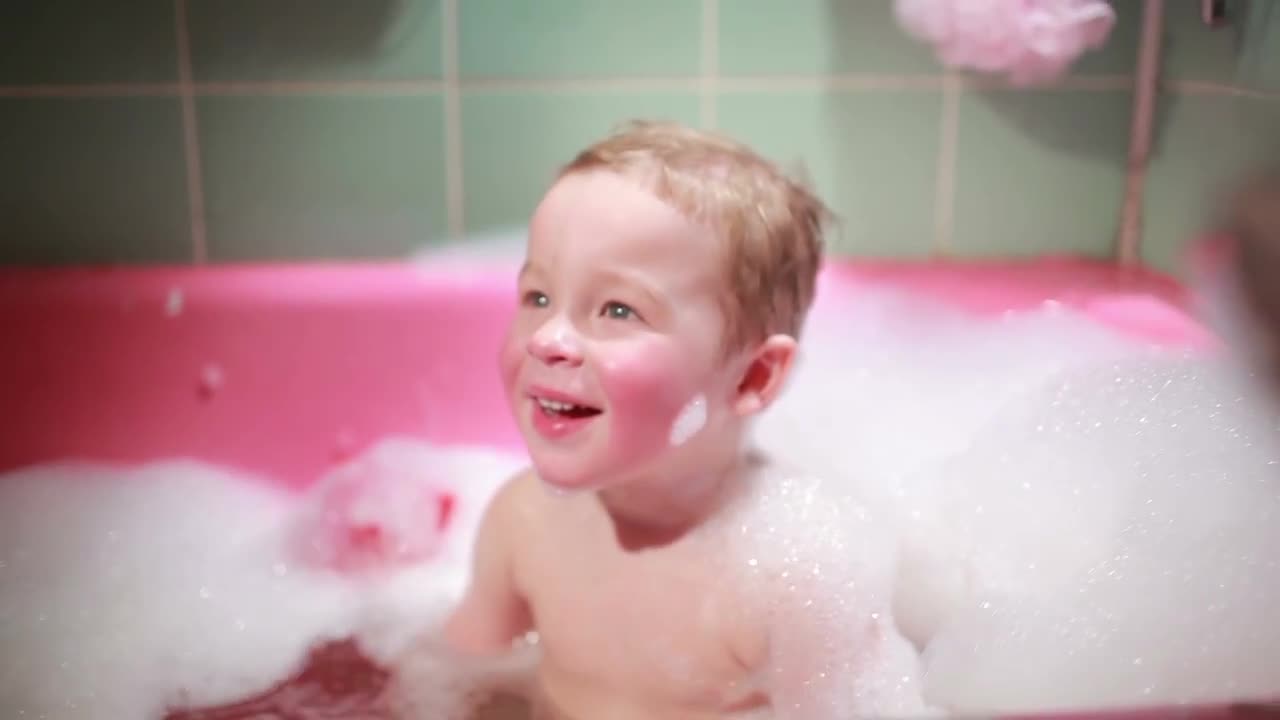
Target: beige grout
(455, 198)
(763, 83)
(848, 82)
(1196, 87)
(1069, 84)
(945, 173)
(190, 137)
(363, 87)
(710, 62)
(91, 91)
(1146, 89)
(576, 85)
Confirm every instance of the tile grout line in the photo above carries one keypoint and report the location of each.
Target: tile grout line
(1199, 87)
(1146, 91)
(854, 82)
(765, 83)
(92, 91)
(945, 179)
(190, 136)
(455, 204)
(710, 62)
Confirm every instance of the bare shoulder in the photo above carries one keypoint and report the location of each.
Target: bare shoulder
(512, 499)
(520, 516)
(502, 523)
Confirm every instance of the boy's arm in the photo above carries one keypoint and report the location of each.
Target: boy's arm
(492, 613)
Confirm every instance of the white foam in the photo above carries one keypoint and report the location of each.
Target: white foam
(887, 383)
(174, 302)
(1079, 517)
(1044, 559)
(692, 418)
(124, 591)
(1124, 553)
(811, 562)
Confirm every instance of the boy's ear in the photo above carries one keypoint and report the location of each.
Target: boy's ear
(765, 374)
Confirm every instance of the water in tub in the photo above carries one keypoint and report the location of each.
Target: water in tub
(1080, 520)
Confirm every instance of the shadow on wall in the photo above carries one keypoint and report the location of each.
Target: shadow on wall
(299, 34)
(1088, 123)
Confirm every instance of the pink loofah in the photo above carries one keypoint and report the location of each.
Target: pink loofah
(1029, 41)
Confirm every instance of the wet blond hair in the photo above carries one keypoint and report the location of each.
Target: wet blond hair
(772, 224)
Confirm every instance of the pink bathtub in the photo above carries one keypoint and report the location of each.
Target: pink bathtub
(281, 370)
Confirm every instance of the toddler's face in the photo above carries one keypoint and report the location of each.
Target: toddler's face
(618, 331)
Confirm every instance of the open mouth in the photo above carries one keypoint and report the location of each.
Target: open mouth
(556, 408)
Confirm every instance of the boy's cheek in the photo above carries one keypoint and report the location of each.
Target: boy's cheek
(646, 391)
(509, 357)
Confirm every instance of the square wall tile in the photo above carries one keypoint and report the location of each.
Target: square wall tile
(93, 180)
(1040, 172)
(579, 38)
(871, 156)
(1194, 51)
(1204, 143)
(1119, 54)
(87, 41)
(767, 37)
(322, 177)
(513, 143)
(1260, 54)
(315, 40)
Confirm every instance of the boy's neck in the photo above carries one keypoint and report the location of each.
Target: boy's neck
(655, 512)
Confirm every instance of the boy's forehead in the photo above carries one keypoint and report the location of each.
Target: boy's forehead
(601, 213)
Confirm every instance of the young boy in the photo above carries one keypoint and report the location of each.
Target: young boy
(669, 571)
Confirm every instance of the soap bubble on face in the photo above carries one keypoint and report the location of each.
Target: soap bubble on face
(691, 420)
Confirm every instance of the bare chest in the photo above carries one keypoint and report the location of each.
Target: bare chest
(660, 623)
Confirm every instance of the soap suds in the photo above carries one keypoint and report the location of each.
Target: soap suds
(692, 418)
(1080, 518)
(1059, 516)
(174, 303)
(125, 591)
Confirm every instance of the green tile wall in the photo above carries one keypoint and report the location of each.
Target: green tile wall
(161, 131)
(1219, 116)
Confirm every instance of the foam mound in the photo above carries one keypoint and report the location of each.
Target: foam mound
(1118, 531)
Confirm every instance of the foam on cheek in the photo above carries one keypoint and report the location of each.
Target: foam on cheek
(692, 418)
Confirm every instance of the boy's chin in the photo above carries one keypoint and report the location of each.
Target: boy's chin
(562, 477)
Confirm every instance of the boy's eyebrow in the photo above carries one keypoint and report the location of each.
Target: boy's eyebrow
(636, 282)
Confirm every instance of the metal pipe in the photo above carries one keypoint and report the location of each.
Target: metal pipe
(1145, 91)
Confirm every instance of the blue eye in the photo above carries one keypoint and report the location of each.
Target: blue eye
(533, 298)
(618, 311)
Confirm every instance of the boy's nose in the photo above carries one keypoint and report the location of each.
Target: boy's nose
(555, 343)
